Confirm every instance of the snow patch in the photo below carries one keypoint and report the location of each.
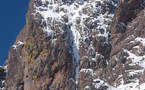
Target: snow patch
(87, 87)
(5, 68)
(87, 71)
(140, 60)
(18, 44)
(142, 86)
(142, 40)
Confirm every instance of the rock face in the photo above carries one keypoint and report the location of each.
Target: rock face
(79, 45)
(126, 64)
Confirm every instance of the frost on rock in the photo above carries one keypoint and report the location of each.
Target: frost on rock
(133, 64)
(87, 88)
(5, 68)
(87, 71)
(18, 44)
(86, 25)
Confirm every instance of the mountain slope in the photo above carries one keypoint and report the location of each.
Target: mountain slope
(79, 45)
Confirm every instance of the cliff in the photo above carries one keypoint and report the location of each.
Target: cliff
(79, 45)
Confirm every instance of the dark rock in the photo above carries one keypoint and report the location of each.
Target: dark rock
(2, 77)
(1, 72)
(103, 88)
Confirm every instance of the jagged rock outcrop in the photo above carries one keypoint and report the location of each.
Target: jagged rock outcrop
(76, 45)
(60, 38)
(37, 61)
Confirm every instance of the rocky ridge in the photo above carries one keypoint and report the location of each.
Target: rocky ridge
(79, 45)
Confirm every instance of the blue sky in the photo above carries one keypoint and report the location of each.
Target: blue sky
(12, 20)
